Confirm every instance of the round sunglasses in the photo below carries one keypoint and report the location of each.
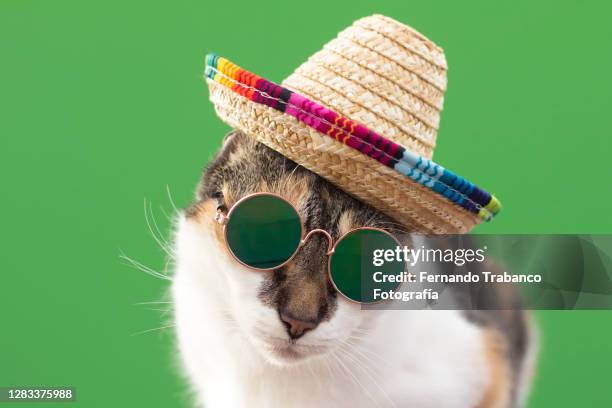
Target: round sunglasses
(264, 232)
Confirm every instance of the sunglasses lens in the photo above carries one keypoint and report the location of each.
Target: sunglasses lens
(263, 231)
(352, 266)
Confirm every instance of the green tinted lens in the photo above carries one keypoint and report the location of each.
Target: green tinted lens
(263, 231)
(352, 267)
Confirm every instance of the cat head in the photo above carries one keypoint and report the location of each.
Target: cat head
(291, 313)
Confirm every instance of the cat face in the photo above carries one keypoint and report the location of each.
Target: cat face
(291, 313)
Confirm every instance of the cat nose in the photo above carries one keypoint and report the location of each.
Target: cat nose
(296, 327)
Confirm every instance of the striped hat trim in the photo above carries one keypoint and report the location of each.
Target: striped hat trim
(355, 135)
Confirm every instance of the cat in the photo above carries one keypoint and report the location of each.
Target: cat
(234, 325)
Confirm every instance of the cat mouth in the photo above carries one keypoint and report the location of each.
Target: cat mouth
(288, 351)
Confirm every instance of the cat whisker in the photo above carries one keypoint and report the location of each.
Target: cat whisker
(354, 347)
(154, 329)
(157, 306)
(167, 266)
(297, 166)
(355, 378)
(176, 210)
(168, 217)
(137, 265)
(155, 231)
(363, 332)
(372, 218)
(360, 336)
(316, 378)
(376, 359)
(343, 369)
(159, 310)
(330, 368)
(375, 362)
(361, 329)
(367, 370)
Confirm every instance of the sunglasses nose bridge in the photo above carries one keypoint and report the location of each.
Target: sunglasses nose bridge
(330, 240)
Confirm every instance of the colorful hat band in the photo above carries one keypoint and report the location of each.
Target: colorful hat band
(355, 135)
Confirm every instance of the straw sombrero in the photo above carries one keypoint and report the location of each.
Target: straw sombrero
(363, 113)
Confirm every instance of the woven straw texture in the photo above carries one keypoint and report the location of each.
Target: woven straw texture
(385, 75)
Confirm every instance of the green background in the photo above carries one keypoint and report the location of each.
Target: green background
(102, 106)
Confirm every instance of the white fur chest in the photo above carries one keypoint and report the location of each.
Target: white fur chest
(396, 359)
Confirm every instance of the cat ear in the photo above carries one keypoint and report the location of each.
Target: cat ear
(213, 177)
(230, 141)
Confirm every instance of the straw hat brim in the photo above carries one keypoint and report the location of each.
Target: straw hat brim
(417, 207)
